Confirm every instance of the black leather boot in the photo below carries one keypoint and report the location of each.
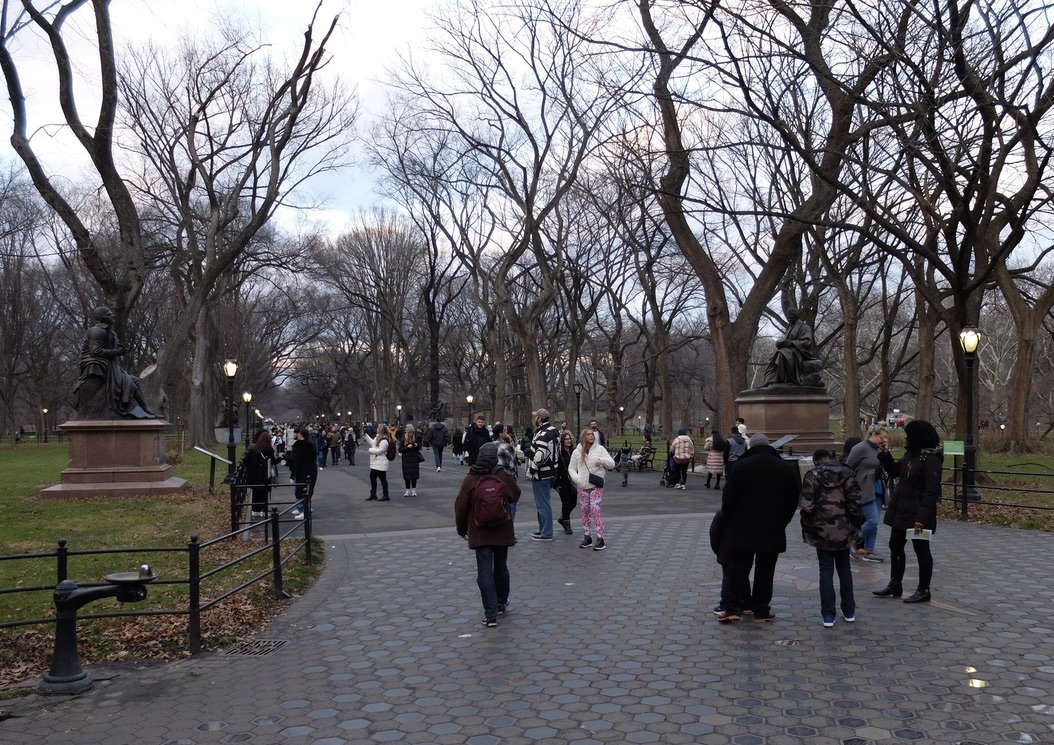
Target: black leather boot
(892, 590)
(920, 596)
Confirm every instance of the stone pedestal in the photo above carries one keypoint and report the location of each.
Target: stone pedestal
(116, 457)
(790, 410)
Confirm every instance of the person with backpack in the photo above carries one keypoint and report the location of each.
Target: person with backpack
(589, 462)
(736, 448)
(483, 518)
(831, 516)
(259, 460)
(379, 447)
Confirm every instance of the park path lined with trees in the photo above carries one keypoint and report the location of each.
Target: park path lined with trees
(625, 196)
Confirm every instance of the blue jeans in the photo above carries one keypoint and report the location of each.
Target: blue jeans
(437, 450)
(542, 502)
(303, 491)
(869, 530)
(829, 561)
(492, 576)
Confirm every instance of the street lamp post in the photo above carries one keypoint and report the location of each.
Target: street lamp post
(230, 369)
(622, 420)
(398, 415)
(247, 397)
(969, 338)
(578, 407)
(44, 420)
(468, 408)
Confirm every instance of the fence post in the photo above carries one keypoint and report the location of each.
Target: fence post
(235, 507)
(276, 552)
(61, 562)
(194, 582)
(307, 525)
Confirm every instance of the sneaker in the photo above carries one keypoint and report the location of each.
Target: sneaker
(586, 542)
(298, 515)
(719, 609)
(828, 621)
(256, 514)
(371, 499)
(502, 607)
(490, 622)
(406, 493)
(599, 545)
(764, 617)
(869, 557)
(540, 537)
(438, 469)
(413, 492)
(849, 617)
(727, 617)
(385, 498)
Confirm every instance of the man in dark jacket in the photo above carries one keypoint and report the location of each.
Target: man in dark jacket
(438, 437)
(476, 437)
(302, 460)
(758, 501)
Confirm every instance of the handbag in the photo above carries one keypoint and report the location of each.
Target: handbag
(420, 457)
(596, 481)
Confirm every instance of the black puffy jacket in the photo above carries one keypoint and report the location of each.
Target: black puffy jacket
(918, 490)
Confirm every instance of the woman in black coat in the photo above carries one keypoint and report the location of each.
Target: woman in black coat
(258, 461)
(913, 507)
(411, 450)
(564, 486)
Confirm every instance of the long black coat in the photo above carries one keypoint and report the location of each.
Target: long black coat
(411, 461)
(918, 491)
(759, 500)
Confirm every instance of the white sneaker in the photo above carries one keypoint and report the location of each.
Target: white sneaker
(298, 515)
(413, 493)
(438, 469)
(257, 514)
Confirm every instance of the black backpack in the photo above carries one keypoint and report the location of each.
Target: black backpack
(490, 504)
(393, 449)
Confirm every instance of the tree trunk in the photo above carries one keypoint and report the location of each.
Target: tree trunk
(200, 415)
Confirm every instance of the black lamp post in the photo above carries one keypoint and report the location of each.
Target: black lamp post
(468, 407)
(578, 407)
(230, 369)
(247, 397)
(45, 420)
(622, 420)
(398, 415)
(969, 338)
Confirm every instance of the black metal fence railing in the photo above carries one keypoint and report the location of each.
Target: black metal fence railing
(277, 530)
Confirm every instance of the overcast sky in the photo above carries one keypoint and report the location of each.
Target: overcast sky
(371, 34)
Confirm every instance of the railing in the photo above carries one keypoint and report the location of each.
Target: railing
(272, 528)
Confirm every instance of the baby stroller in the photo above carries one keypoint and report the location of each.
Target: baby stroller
(669, 473)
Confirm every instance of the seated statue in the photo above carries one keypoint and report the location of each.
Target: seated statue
(105, 390)
(795, 362)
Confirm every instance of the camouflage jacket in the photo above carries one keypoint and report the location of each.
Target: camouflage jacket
(830, 507)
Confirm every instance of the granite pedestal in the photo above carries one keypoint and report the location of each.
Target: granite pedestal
(790, 410)
(116, 457)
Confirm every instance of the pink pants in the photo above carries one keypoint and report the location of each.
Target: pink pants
(589, 504)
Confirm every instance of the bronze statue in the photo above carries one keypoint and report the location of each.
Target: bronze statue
(105, 390)
(795, 362)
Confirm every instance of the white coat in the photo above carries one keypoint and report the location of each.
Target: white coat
(378, 451)
(596, 462)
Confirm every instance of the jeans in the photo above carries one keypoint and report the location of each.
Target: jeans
(897, 538)
(350, 452)
(492, 576)
(382, 476)
(334, 455)
(829, 561)
(304, 491)
(682, 473)
(742, 596)
(437, 450)
(872, 511)
(544, 505)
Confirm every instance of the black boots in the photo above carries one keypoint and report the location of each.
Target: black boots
(892, 590)
(920, 596)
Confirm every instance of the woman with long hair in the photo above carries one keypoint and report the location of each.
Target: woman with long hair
(378, 450)
(589, 463)
(411, 452)
(565, 487)
(259, 459)
(913, 510)
(715, 457)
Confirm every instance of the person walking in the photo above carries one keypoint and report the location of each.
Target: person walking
(334, 440)
(831, 517)
(378, 450)
(759, 499)
(457, 447)
(912, 512)
(259, 459)
(351, 442)
(476, 437)
(410, 449)
(491, 542)
(541, 470)
(565, 487)
(438, 437)
(865, 459)
(735, 448)
(715, 447)
(683, 450)
(589, 464)
(302, 461)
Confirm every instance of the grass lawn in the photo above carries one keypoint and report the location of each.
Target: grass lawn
(30, 524)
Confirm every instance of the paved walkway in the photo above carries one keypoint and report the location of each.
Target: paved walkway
(598, 647)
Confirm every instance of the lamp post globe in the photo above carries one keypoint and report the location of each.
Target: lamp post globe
(468, 405)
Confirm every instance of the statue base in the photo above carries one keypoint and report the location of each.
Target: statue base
(116, 457)
(779, 410)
